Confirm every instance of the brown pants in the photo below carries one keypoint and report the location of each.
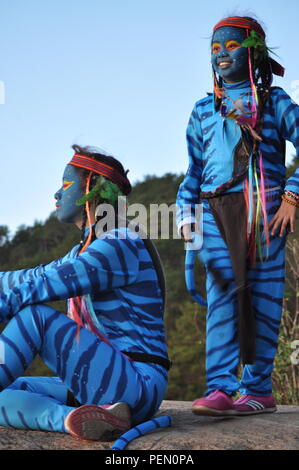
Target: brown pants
(229, 211)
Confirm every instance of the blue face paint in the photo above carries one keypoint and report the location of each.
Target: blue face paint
(226, 48)
(70, 192)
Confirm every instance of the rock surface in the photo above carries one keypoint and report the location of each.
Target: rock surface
(273, 431)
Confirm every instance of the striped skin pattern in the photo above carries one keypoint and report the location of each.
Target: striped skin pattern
(211, 141)
(144, 428)
(266, 281)
(118, 273)
(210, 148)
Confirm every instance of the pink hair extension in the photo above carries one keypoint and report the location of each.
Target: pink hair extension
(74, 308)
(250, 247)
(263, 196)
(246, 198)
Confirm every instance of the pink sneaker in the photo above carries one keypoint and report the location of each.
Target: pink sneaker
(95, 423)
(251, 404)
(216, 403)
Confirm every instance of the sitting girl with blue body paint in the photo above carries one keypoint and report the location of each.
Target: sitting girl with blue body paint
(109, 353)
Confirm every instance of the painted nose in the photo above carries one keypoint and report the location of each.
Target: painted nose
(223, 54)
(57, 195)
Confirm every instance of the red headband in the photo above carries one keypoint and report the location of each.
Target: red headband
(239, 22)
(100, 168)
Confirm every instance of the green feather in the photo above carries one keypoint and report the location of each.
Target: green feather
(103, 191)
(254, 40)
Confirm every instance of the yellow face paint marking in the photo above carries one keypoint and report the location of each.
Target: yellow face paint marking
(232, 45)
(216, 47)
(67, 184)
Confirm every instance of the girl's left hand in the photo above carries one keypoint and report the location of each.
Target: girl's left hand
(285, 216)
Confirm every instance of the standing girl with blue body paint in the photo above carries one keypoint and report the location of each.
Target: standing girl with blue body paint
(236, 142)
(109, 353)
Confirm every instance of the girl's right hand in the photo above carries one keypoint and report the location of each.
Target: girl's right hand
(186, 231)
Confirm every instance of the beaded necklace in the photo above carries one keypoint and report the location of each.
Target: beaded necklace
(238, 113)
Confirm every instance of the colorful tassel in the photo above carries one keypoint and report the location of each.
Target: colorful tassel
(256, 210)
(250, 196)
(253, 88)
(219, 92)
(250, 212)
(264, 206)
(74, 312)
(258, 214)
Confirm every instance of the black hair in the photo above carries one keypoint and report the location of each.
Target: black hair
(100, 156)
(262, 77)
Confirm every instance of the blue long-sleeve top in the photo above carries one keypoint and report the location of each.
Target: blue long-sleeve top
(211, 145)
(118, 273)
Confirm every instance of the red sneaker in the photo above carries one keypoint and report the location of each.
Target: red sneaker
(251, 405)
(95, 423)
(216, 403)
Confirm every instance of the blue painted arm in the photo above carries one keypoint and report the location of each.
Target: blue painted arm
(188, 193)
(11, 279)
(287, 112)
(107, 264)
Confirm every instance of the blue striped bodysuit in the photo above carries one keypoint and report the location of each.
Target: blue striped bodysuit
(117, 273)
(211, 141)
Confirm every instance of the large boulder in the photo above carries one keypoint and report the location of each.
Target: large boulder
(271, 431)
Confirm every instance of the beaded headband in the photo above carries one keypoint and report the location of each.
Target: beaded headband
(111, 173)
(239, 22)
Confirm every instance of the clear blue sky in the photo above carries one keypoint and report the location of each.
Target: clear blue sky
(119, 74)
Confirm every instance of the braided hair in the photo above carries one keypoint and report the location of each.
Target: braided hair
(262, 78)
